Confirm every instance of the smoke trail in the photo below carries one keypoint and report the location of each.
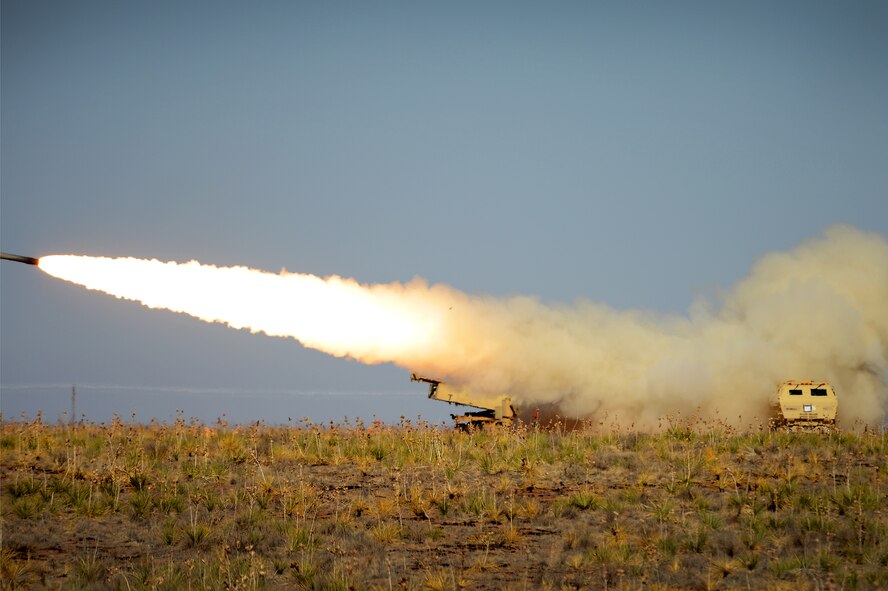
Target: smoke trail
(819, 311)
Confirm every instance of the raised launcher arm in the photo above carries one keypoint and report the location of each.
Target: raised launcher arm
(495, 410)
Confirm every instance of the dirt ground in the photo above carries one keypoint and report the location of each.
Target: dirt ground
(189, 506)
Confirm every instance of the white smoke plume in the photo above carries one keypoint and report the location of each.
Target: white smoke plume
(819, 312)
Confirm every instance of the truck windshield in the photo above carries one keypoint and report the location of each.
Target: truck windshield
(795, 392)
(818, 392)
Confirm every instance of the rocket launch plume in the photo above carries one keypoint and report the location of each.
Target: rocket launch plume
(819, 311)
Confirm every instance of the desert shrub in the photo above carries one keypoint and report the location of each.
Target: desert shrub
(585, 500)
(170, 503)
(27, 507)
(141, 504)
(696, 540)
(23, 488)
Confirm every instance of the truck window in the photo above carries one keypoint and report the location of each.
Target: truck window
(818, 392)
(795, 392)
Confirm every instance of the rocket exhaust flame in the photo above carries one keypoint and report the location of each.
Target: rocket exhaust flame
(335, 315)
(819, 311)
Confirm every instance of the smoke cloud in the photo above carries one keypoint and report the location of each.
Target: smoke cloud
(818, 312)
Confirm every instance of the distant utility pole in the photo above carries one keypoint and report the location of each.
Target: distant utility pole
(73, 403)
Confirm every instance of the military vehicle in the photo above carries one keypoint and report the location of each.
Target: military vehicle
(494, 410)
(805, 406)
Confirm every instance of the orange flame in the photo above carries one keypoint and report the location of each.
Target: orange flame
(335, 315)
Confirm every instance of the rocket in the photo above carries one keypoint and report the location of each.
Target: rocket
(19, 259)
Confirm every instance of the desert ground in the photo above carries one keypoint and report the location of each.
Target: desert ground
(185, 505)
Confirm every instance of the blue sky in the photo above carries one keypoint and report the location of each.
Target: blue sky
(637, 154)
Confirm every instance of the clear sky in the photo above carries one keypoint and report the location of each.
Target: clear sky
(640, 154)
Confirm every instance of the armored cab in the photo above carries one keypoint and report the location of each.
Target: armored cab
(494, 410)
(805, 406)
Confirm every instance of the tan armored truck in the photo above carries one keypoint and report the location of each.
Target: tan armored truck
(805, 406)
(494, 410)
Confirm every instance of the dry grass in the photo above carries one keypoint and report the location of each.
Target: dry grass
(413, 506)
